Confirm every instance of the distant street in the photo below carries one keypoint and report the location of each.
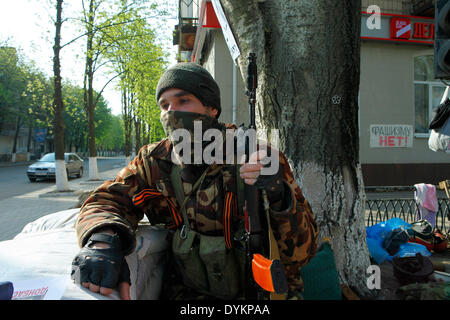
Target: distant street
(19, 198)
(14, 180)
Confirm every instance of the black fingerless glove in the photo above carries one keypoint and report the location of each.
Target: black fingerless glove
(103, 267)
(273, 184)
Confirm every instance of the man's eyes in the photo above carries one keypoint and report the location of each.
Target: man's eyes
(165, 106)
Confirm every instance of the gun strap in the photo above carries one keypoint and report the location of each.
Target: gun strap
(273, 245)
(175, 177)
(230, 204)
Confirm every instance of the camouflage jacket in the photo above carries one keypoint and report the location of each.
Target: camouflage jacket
(144, 187)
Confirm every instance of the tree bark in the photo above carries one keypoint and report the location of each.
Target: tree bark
(30, 135)
(308, 81)
(16, 134)
(89, 93)
(60, 170)
(137, 131)
(126, 116)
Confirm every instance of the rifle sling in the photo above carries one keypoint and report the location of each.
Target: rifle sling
(273, 245)
(175, 177)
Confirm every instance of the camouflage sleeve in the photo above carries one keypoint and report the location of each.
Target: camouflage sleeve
(110, 205)
(294, 228)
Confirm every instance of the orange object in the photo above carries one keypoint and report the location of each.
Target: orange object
(269, 274)
(261, 272)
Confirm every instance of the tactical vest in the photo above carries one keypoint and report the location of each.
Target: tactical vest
(213, 265)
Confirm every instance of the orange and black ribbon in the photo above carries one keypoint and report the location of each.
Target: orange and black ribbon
(148, 194)
(230, 206)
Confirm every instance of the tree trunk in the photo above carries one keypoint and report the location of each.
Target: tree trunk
(29, 139)
(137, 131)
(308, 82)
(30, 135)
(127, 123)
(89, 93)
(60, 167)
(16, 137)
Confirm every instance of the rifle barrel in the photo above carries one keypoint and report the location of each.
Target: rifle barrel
(252, 84)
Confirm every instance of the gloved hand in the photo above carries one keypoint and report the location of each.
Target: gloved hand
(103, 268)
(273, 184)
(251, 172)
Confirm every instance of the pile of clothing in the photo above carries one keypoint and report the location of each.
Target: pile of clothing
(408, 247)
(390, 238)
(396, 237)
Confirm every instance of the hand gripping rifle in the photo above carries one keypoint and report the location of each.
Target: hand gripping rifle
(267, 272)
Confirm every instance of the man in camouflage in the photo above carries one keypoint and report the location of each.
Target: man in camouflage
(109, 217)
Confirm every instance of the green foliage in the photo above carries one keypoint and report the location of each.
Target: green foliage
(27, 93)
(124, 40)
(74, 116)
(39, 102)
(13, 85)
(75, 119)
(119, 35)
(134, 54)
(114, 137)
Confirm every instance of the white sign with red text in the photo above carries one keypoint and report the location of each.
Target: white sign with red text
(391, 136)
(44, 288)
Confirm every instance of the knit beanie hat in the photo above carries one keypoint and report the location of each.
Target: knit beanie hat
(192, 78)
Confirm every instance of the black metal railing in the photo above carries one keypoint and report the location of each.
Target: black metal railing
(379, 210)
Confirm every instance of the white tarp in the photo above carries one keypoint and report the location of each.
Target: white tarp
(42, 254)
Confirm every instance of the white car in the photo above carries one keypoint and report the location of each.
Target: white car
(44, 168)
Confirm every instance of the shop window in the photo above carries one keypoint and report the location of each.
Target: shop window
(428, 93)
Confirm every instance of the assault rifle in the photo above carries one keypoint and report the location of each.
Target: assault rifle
(268, 273)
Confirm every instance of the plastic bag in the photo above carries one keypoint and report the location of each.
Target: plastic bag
(377, 233)
(410, 249)
(376, 251)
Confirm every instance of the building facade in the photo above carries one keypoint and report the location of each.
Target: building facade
(397, 94)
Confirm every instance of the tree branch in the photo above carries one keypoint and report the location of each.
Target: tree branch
(104, 87)
(99, 28)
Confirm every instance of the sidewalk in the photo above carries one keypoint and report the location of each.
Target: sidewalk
(79, 186)
(27, 163)
(19, 163)
(20, 210)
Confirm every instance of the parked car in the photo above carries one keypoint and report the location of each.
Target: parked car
(45, 167)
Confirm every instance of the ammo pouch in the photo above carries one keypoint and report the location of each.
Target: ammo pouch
(206, 264)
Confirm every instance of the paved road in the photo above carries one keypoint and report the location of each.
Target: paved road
(20, 201)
